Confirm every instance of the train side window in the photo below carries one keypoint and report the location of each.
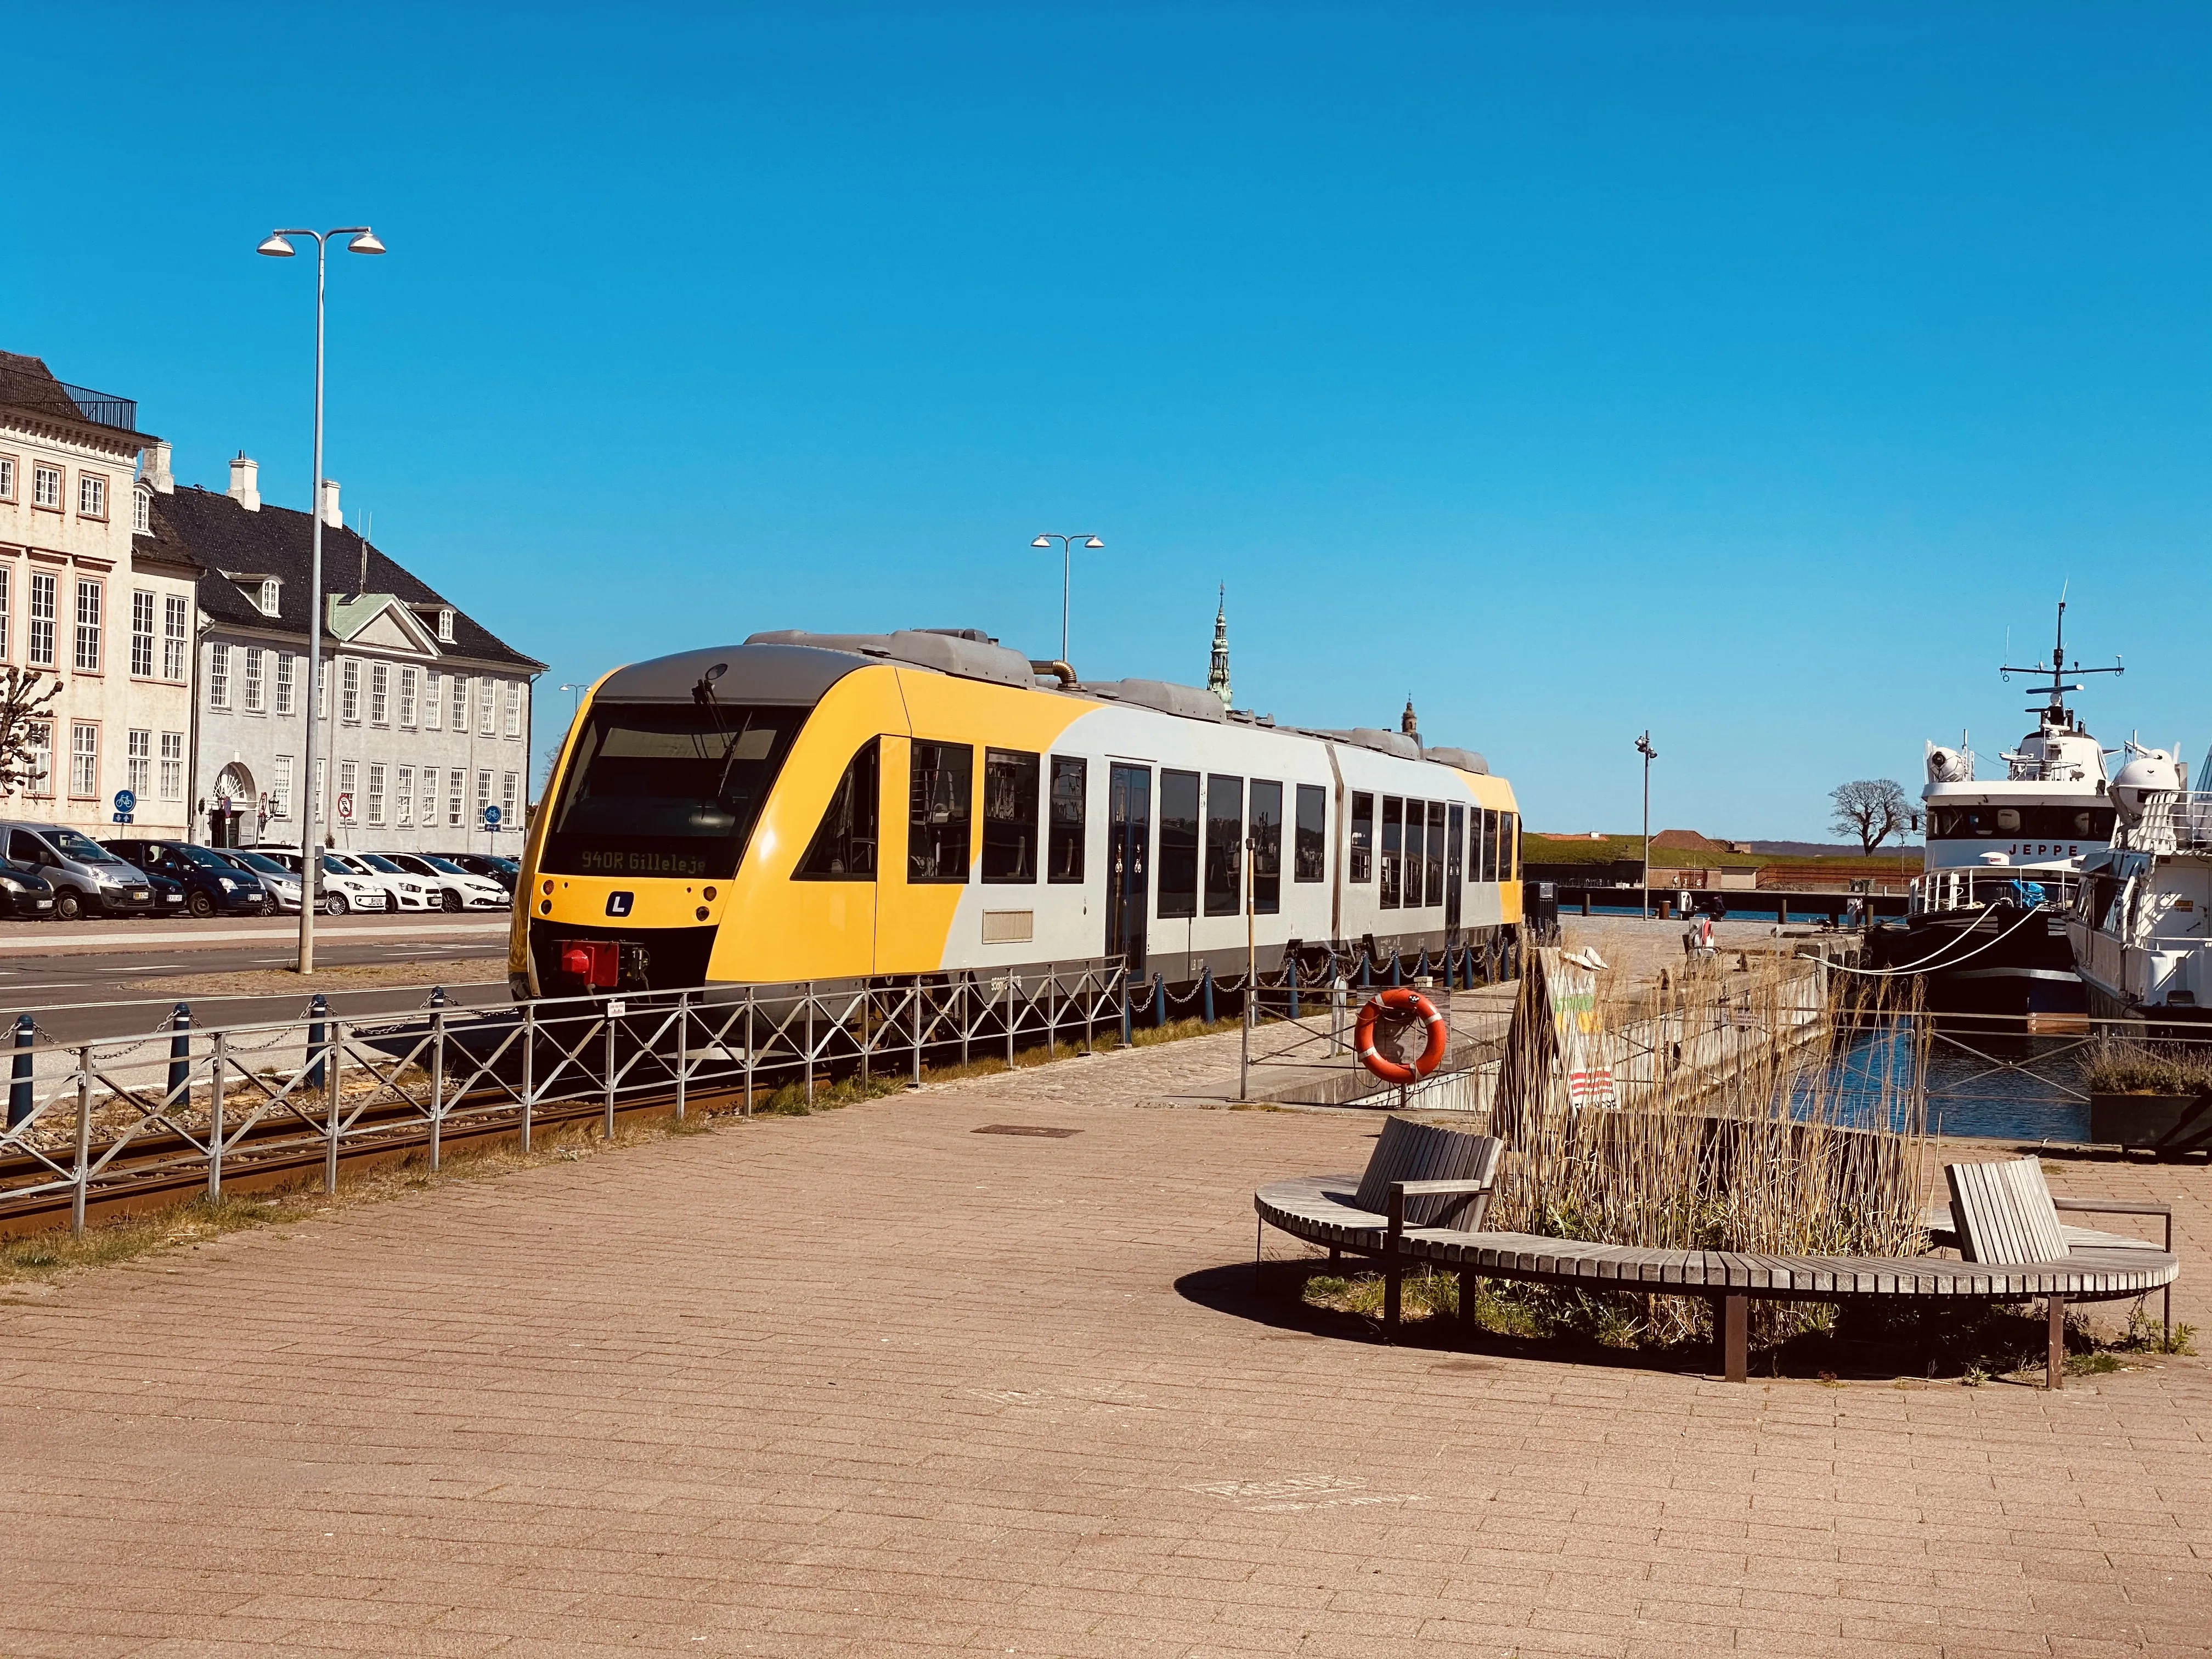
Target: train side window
(1070, 803)
(1486, 859)
(1416, 839)
(1394, 842)
(844, 844)
(1363, 837)
(1266, 847)
(1435, 895)
(1178, 861)
(1224, 844)
(1010, 816)
(937, 839)
(1309, 852)
(1508, 846)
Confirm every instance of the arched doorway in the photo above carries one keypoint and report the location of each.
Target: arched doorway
(232, 809)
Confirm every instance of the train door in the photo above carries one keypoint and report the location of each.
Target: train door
(1454, 866)
(1128, 838)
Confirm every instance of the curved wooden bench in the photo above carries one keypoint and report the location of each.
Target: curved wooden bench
(2097, 1267)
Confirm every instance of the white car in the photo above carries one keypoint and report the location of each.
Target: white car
(407, 892)
(458, 888)
(343, 889)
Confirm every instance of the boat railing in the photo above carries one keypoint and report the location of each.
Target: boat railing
(2171, 821)
(1976, 886)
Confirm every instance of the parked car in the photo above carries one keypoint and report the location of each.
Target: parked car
(25, 893)
(504, 871)
(169, 895)
(343, 890)
(460, 890)
(407, 892)
(282, 880)
(213, 885)
(85, 875)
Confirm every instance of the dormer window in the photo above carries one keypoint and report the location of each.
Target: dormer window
(267, 596)
(446, 624)
(142, 510)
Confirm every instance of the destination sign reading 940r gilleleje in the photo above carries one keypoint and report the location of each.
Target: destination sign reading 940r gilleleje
(631, 862)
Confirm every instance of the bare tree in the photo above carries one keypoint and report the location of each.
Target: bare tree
(23, 708)
(1873, 810)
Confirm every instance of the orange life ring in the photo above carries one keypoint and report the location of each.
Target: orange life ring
(1400, 1000)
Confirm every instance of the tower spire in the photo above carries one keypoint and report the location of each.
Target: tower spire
(1217, 674)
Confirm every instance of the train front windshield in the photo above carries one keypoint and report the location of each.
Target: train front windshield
(666, 789)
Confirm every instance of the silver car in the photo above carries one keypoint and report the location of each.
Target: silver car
(85, 876)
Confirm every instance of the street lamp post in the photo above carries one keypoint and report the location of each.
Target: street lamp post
(1090, 543)
(1644, 748)
(310, 856)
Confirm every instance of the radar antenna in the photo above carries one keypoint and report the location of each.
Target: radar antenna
(2056, 692)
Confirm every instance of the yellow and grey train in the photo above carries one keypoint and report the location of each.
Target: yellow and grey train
(812, 806)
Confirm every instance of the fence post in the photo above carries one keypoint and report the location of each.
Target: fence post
(1159, 1000)
(749, 1051)
(863, 1032)
(1205, 993)
(1291, 962)
(1366, 968)
(1052, 1011)
(682, 1047)
(21, 1090)
(1244, 1043)
(437, 1075)
(215, 1114)
(916, 1016)
(1010, 1019)
(180, 1058)
(1125, 1008)
(83, 1140)
(335, 1052)
(529, 1066)
(317, 1074)
(1394, 979)
(606, 1011)
(966, 986)
(807, 990)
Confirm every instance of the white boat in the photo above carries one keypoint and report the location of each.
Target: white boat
(2138, 924)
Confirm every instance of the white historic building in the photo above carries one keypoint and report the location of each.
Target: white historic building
(106, 612)
(425, 714)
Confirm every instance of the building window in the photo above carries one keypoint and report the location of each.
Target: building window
(88, 628)
(376, 793)
(1010, 816)
(142, 511)
(176, 622)
(433, 716)
(939, 792)
(514, 709)
(459, 694)
(218, 677)
(322, 790)
(138, 764)
(350, 689)
(844, 844)
(270, 598)
(44, 597)
(173, 766)
(6, 573)
(280, 795)
(348, 782)
(1064, 850)
(484, 796)
(446, 626)
(38, 758)
(7, 477)
(91, 495)
(509, 785)
(283, 682)
(409, 680)
(487, 696)
(1178, 843)
(84, 762)
(253, 694)
(46, 486)
(456, 782)
(403, 800)
(1309, 853)
(380, 694)
(1266, 847)
(322, 689)
(142, 634)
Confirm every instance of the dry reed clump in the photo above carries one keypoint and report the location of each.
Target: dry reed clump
(2120, 1067)
(1733, 1131)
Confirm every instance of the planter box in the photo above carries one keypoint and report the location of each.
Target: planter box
(2165, 1123)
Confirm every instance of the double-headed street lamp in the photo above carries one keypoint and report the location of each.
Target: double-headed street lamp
(310, 856)
(1047, 540)
(1644, 748)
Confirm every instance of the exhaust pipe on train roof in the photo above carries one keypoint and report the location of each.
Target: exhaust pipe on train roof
(1059, 670)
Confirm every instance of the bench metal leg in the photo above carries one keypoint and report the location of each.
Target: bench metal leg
(2054, 1358)
(1735, 1338)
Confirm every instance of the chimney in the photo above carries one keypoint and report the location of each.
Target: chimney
(157, 474)
(331, 516)
(245, 487)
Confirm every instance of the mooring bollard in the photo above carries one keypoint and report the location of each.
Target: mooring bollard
(1292, 964)
(1206, 994)
(437, 996)
(19, 1086)
(316, 1007)
(1394, 967)
(1159, 1000)
(180, 1054)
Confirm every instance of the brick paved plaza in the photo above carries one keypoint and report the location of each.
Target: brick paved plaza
(869, 1383)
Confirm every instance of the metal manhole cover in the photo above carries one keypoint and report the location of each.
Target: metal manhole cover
(1025, 1129)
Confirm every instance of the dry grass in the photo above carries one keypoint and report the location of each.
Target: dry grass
(2123, 1068)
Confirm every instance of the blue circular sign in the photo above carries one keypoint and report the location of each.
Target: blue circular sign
(491, 816)
(125, 801)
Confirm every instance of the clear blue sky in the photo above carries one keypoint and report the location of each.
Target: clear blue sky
(1740, 371)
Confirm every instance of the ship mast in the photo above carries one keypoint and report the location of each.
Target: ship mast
(2054, 711)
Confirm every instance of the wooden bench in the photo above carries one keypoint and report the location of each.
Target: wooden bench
(1343, 1212)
